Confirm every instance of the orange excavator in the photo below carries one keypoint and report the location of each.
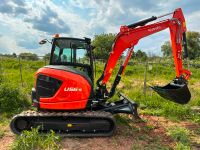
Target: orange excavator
(64, 93)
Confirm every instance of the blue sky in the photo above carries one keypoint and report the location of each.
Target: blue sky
(23, 23)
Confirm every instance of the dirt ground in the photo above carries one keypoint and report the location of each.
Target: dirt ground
(131, 134)
(7, 140)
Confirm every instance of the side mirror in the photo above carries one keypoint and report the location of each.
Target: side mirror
(43, 41)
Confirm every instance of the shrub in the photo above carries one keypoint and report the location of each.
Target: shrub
(31, 140)
(1, 79)
(1, 74)
(12, 100)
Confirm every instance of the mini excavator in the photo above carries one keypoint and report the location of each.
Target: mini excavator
(64, 93)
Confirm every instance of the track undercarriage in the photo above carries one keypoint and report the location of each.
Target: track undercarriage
(75, 124)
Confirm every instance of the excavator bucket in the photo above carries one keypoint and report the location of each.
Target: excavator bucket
(176, 92)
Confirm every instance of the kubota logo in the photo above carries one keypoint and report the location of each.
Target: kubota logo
(72, 89)
(154, 29)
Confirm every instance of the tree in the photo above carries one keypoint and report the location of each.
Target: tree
(14, 55)
(103, 45)
(28, 56)
(193, 44)
(166, 49)
(140, 55)
(9, 55)
(47, 56)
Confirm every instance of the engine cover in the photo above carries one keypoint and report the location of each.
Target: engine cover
(62, 88)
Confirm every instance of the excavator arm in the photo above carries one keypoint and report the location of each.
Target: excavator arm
(130, 35)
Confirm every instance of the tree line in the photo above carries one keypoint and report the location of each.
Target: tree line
(103, 45)
(26, 56)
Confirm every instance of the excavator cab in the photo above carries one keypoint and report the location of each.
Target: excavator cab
(74, 53)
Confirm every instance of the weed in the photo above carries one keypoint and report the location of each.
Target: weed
(3, 120)
(122, 120)
(177, 111)
(195, 117)
(179, 134)
(31, 140)
(1, 77)
(3, 123)
(11, 99)
(143, 137)
(197, 131)
(2, 133)
(125, 122)
(181, 146)
(148, 128)
(136, 146)
(154, 112)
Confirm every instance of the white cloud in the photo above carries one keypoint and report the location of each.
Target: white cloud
(85, 18)
(10, 45)
(192, 21)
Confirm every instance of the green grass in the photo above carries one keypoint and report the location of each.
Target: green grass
(181, 146)
(12, 99)
(31, 140)
(180, 134)
(2, 133)
(3, 122)
(132, 80)
(15, 97)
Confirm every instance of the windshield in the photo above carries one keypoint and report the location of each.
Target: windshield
(70, 51)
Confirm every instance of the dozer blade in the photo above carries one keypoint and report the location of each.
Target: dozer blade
(176, 92)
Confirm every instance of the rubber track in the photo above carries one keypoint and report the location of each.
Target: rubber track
(84, 114)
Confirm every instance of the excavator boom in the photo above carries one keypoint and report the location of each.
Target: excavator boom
(130, 35)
